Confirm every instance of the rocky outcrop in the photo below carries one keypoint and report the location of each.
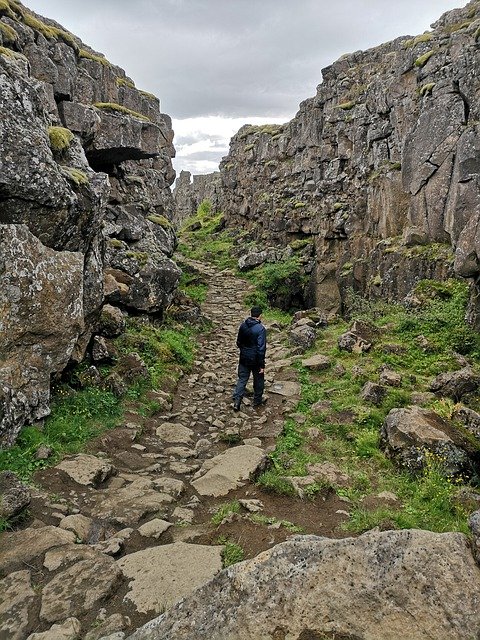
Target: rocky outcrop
(190, 193)
(314, 587)
(379, 170)
(85, 170)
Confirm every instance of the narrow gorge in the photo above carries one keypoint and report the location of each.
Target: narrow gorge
(134, 502)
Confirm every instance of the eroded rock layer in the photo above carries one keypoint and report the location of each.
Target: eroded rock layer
(85, 205)
(380, 170)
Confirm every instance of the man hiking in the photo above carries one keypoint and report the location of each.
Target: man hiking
(252, 342)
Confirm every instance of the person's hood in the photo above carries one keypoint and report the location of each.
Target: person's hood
(251, 321)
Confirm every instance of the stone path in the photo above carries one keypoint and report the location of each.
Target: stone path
(111, 544)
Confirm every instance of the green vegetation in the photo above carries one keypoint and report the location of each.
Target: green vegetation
(9, 34)
(274, 280)
(118, 108)
(458, 26)
(422, 60)
(60, 138)
(259, 518)
(424, 37)
(147, 94)
(224, 510)
(232, 552)
(124, 82)
(9, 53)
(77, 176)
(209, 242)
(418, 343)
(346, 106)
(162, 221)
(426, 88)
(192, 286)
(88, 55)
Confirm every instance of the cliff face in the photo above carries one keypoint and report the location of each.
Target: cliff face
(85, 205)
(380, 169)
(189, 194)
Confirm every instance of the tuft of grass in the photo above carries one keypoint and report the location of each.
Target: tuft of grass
(162, 221)
(60, 138)
(119, 108)
(346, 106)
(88, 55)
(9, 34)
(124, 82)
(232, 552)
(422, 60)
(426, 89)
(77, 176)
(224, 510)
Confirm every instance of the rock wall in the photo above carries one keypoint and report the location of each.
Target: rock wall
(380, 169)
(189, 194)
(85, 205)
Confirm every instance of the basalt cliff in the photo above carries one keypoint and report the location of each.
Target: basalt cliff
(375, 182)
(85, 206)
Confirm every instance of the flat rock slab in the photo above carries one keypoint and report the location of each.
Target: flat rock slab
(162, 575)
(79, 588)
(23, 546)
(128, 505)
(381, 585)
(229, 470)
(86, 470)
(286, 388)
(175, 433)
(154, 528)
(16, 599)
(317, 363)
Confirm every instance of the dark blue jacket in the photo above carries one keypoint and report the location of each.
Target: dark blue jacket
(252, 342)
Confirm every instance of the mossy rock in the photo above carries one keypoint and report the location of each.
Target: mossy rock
(119, 108)
(60, 138)
(422, 60)
(162, 221)
(8, 32)
(248, 147)
(88, 55)
(424, 37)
(77, 176)
(426, 89)
(124, 82)
(346, 106)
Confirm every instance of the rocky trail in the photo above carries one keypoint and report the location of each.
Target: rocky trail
(121, 532)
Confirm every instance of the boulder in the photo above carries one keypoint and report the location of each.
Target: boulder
(53, 323)
(409, 435)
(456, 384)
(14, 495)
(353, 343)
(317, 363)
(311, 587)
(373, 392)
(69, 630)
(389, 377)
(21, 547)
(174, 432)
(329, 474)
(303, 337)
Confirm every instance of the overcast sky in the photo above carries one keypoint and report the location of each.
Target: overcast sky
(219, 64)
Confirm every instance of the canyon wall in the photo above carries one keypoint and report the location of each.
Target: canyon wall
(85, 205)
(377, 175)
(190, 193)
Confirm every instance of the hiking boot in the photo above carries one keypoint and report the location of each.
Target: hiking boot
(260, 403)
(236, 405)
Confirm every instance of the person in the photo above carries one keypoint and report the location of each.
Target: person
(252, 342)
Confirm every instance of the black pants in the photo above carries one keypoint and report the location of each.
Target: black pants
(243, 376)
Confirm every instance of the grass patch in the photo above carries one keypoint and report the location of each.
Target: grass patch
(77, 176)
(60, 138)
(88, 55)
(275, 282)
(232, 552)
(224, 510)
(202, 238)
(422, 60)
(119, 108)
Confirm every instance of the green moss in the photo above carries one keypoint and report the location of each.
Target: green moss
(160, 220)
(346, 106)
(124, 82)
(60, 138)
(422, 60)
(113, 106)
(87, 55)
(458, 26)
(299, 205)
(77, 176)
(377, 280)
(426, 88)
(147, 94)
(248, 147)
(346, 269)
(424, 37)
(118, 244)
(297, 245)
(141, 257)
(477, 34)
(339, 205)
(9, 34)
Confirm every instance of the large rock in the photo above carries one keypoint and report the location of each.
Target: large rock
(456, 384)
(16, 600)
(86, 470)
(68, 630)
(14, 495)
(41, 306)
(21, 547)
(162, 575)
(409, 435)
(394, 584)
(228, 471)
(79, 588)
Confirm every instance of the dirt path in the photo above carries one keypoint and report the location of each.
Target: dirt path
(106, 549)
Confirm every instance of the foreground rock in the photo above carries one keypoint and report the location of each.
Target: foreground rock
(162, 575)
(14, 495)
(315, 587)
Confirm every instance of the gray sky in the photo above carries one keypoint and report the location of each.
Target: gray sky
(218, 64)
